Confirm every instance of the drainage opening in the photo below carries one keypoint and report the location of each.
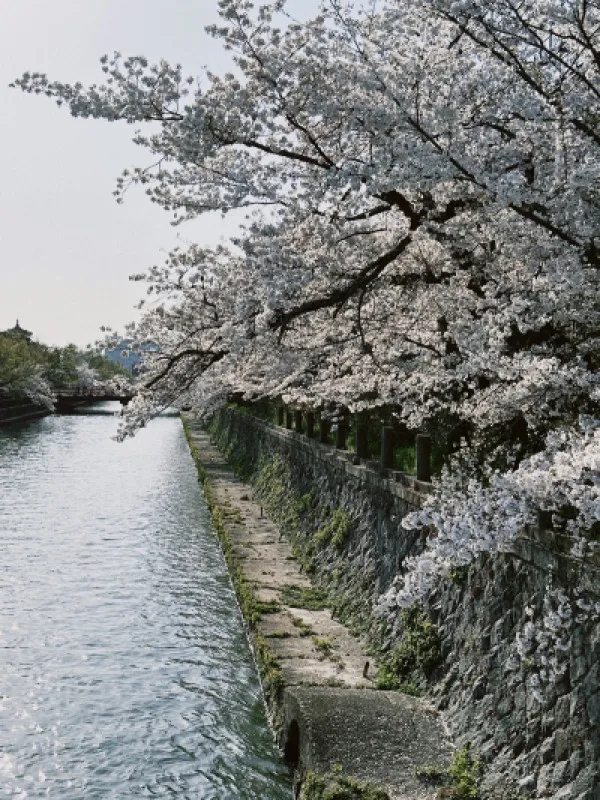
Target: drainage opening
(291, 751)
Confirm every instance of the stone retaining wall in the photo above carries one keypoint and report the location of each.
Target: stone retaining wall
(376, 501)
(344, 519)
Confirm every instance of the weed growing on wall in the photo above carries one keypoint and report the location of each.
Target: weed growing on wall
(335, 531)
(465, 773)
(413, 660)
(459, 781)
(335, 786)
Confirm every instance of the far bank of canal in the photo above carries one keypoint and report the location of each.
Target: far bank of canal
(124, 665)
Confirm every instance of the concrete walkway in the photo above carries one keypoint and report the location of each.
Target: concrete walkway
(331, 713)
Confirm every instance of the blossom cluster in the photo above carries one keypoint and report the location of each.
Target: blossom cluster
(419, 191)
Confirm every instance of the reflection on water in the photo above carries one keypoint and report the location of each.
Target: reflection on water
(124, 667)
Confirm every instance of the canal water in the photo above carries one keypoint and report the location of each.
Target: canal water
(124, 667)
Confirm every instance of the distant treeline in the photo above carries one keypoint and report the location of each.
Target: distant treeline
(32, 370)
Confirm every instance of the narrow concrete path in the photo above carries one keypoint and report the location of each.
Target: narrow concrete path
(380, 737)
(311, 646)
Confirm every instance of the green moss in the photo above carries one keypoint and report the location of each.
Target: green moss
(334, 786)
(302, 597)
(323, 645)
(305, 502)
(412, 661)
(304, 629)
(432, 774)
(305, 559)
(335, 531)
(268, 607)
(459, 574)
(233, 515)
(465, 773)
(405, 459)
(271, 484)
(270, 671)
(460, 780)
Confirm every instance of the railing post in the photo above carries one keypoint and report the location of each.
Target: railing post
(324, 428)
(280, 415)
(288, 419)
(423, 457)
(340, 435)
(544, 520)
(298, 421)
(362, 441)
(310, 424)
(387, 447)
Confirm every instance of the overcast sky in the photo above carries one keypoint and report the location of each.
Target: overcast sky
(66, 247)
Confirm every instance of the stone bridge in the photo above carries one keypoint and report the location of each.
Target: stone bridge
(71, 398)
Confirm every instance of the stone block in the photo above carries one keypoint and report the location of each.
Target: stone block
(502, 735)
(591, 682)
(564, 793)
(546, 750)
(533, 733)
(505, 706)
(496, 632)
(591, 748)
(577, 705)
(578, 669)
(561, 710)
(547, 724)
(576, 762)
(544, 781)
(586, 784)
(520, 697)
(528, 783)
(479, 689)
(518, 745)
(593, 709)
(488, 751)
(562, 748)
(533, 705)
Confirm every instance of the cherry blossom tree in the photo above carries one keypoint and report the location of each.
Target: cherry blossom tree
(419, 184)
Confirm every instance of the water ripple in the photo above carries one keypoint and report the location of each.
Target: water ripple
(124, 667)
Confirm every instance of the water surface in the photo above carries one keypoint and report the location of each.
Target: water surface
(124, 667)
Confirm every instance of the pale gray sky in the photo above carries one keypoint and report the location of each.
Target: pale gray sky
(66, 247)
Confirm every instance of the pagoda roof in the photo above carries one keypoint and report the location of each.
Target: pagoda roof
(18, 331)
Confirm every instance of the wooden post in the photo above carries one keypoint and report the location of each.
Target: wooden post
(310, 424)
(387, 447)
(544, 520)
(423, 457)
(362, 445)
(340, 435)
(298, 421)
(280, 415)
(324, 428)
(288, 419)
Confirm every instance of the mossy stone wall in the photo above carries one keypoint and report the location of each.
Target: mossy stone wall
(345, 522)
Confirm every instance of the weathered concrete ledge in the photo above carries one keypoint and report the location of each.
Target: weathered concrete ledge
(317, 678)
